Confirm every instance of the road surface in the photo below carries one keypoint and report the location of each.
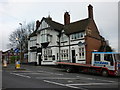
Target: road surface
(52, 77)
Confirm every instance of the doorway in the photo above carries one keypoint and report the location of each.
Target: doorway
(73, 56)
(39, 58)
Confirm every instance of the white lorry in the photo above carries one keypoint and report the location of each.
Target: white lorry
(104, 63)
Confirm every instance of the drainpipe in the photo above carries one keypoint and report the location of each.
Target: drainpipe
(59, 48)
(69, 46)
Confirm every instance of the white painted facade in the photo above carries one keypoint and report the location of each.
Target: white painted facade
(49, 54)
(58, 48)
(68, 43)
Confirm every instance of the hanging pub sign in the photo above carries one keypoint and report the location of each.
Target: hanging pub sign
(80, 43)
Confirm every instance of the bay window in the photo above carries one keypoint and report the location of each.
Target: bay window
(45, 37)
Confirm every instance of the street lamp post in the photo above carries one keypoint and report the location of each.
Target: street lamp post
(17, 48)
(21, 45)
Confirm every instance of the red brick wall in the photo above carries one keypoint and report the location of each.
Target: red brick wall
(91, 45)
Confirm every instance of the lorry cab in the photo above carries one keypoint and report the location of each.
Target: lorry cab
(109, 61)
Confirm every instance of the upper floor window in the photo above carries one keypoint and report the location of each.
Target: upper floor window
(63, 38)
(45, 37)
(33, 42)
(77, 36)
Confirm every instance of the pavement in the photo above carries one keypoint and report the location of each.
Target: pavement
(39, 77)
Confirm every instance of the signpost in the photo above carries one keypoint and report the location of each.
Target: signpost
(17, 63)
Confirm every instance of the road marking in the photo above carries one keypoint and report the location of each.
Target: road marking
(66, 85)
(69, 81)
(80, 84)
(95, 79)
(22, 71)
(106, 80)
(56, 78)
(50, 73)
(30, 73)
(101, 80)
(20, 75)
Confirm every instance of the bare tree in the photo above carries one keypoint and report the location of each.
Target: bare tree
(30, 27)
(18, 38)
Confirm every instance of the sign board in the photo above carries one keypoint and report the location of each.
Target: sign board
(16, 50)
(80, 43)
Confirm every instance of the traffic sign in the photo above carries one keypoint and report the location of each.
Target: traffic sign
(16, 50)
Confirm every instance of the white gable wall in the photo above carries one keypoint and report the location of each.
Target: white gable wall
(53, 44)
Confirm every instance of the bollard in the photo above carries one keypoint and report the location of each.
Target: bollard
(17, 66)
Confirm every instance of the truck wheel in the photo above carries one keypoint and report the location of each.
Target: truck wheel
(105, 73)
(69, 69)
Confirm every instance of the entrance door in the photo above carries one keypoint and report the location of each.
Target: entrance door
(39, 57)
(73, 56)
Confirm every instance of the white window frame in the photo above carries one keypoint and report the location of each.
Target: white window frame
(48, 54)
(81, 53)
(64, 54)
(77, 35)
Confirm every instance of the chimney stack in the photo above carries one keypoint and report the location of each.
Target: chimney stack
(37, 24)
(66, 18)
(90, 11)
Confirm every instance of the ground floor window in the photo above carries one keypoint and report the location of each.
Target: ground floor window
(81, 53)
(48, 54)
(64, 54)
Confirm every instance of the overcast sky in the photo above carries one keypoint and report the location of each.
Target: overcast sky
(13, 12)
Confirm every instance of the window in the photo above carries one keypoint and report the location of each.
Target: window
(81, 35)
(97, 57)
(64, 54)
(64, 38)
(77, 36)
(72, 36)
(45, 37)
(81, 53)
(48, 54)
(108, 57)
(117, 57)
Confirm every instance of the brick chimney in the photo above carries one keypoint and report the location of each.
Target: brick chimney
(37, 24)
(66, 18)
(90, 11)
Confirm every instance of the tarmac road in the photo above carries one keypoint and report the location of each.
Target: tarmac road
(52, 77)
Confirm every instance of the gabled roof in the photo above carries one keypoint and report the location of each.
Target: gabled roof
(54, 25)
(77, 26)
